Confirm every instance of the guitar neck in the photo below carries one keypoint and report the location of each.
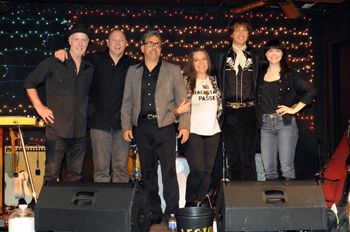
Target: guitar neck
(13, 152)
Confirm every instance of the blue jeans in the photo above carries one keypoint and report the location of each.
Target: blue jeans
(110, 156)
(278, 141)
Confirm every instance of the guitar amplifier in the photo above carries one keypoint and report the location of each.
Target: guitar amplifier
(36, 158)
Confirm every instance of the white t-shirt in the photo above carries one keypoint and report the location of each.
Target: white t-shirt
(204, 108)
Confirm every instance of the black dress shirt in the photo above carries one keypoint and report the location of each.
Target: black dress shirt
(107, 90)
(239, 86)
(148, 89)
(219, 59)
(66, 94)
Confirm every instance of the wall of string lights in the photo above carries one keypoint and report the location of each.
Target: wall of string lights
(29, 33)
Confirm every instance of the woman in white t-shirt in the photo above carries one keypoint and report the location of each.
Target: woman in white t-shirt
(206, 107)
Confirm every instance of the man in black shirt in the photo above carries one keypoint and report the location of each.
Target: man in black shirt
(152, 91)
(110, 150)
(67, 87)
(237, 70)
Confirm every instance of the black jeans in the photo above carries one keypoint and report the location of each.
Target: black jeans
(158, 144)
(73, 149)
(240, 132)
(201, 156)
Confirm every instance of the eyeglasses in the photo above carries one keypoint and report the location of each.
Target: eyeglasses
(152, 44)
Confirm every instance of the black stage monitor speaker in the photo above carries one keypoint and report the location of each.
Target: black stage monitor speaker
(271, 206)
(92, 207)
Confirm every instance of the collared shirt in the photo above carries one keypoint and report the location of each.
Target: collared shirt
(239, 86)
(66, 94)
(148, 89)
(107, 89)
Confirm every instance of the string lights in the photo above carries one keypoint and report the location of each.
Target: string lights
(33, 33)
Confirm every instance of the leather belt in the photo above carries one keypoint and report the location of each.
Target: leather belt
(239, 105)
(271, 116)
(149, 116)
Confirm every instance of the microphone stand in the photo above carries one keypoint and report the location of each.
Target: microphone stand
(225, 178)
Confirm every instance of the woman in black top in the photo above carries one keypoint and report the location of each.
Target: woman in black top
(281, 94)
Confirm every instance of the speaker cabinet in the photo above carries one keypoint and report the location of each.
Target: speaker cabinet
(272, 205)
(92, 207)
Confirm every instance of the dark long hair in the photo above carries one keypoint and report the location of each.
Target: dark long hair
(239, 21)
(190, 70)
(276, 44)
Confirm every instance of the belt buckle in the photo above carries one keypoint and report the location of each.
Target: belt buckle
(151, 116)
(239, 105)
(234, 105)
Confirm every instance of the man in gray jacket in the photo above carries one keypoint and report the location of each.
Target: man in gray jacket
(152, 90)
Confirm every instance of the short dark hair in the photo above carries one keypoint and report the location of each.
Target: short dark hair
(276, 44)
(149, 34)
(239, 21)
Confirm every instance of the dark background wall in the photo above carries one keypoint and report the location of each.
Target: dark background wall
(332, 42)
(318, 44)
(337, 41)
